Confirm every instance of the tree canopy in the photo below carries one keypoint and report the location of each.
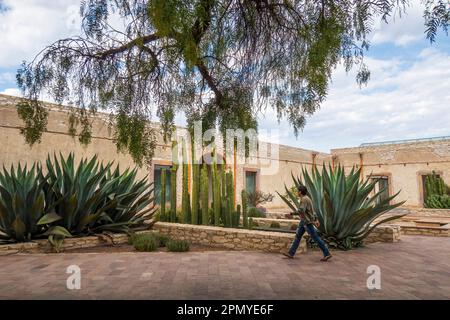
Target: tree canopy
(218, 61)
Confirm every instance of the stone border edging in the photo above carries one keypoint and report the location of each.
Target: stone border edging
(229, 238)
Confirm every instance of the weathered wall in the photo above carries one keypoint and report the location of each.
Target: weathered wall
(403, 163)
(230, 238)
(57, 139)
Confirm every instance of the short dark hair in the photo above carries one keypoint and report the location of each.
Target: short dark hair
(303, 190)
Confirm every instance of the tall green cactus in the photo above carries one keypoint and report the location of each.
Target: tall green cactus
(185, 203)
(216, 194)
(435, 185)
(163, 196)
(204, 194)
(195, 188)
(237, 217)
(230, 197)
(244, 208)
(173, 193)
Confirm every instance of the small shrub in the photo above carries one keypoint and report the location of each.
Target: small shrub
(162, 239)
(252, 223)
(255, 213)
(177, 245)
(144, 241)
(275, 225)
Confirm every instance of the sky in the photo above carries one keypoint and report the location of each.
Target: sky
(407, 97)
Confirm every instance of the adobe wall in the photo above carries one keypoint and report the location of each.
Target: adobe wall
(403, 163)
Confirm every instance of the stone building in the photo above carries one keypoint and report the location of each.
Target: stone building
(399, 165)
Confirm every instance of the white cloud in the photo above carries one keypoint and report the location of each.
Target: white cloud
(398, 103)
(11, 92)
(402, 28)
(28, 25)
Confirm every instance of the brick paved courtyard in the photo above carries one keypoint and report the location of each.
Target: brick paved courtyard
(416, 268)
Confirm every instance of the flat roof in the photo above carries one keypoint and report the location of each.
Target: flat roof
(404, 141)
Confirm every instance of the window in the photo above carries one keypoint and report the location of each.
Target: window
(250, 181)
(382, 183)
(157, 181)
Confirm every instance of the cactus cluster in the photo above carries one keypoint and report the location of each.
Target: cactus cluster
(195, 206)
(436, 192)
(435, 185)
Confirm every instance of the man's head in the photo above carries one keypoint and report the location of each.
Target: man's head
(302, 191)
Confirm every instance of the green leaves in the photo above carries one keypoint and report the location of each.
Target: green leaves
(71, 200)
(346, 206)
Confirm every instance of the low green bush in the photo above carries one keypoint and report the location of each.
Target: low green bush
(275, 225)
(177, 245)
(255, 213)
(145, 242)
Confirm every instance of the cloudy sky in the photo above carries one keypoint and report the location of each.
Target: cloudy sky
(408, 95)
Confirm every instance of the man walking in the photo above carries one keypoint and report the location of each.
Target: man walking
(308, 220)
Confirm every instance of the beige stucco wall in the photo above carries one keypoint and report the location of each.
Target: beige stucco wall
(403, 163)
(57, 139)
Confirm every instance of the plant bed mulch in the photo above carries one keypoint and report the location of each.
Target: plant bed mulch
(130, 248)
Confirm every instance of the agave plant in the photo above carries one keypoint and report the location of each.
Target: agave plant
(24, 213)
(90, 198)
(346, 207)
(134, 202)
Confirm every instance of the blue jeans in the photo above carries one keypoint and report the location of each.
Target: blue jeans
(312, 233)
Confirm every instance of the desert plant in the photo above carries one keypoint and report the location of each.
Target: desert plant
(91, 198)
(275, 225)
(216, 185)
(163, 196)
(434, 184)
(185, 203)
(257, 198)
(343, 204)
(173, 193)
(255, 213)
(204, 195)
(237, 216)
(195, 182)
(145, 242)
(244, 208)
(24, 213)
(177, 245)
(438, 201)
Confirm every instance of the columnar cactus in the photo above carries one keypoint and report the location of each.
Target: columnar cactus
(216, 194)
(204, 195)
(230, 197)
(435, 185)
(237, 216)
(195, 188)
(244, 208)
(185, 203)
(173, 193)
(163, 216)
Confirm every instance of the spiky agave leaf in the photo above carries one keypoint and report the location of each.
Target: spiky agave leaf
(344, 204)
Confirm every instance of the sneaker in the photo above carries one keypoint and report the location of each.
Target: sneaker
(287, 254)
(326, 258)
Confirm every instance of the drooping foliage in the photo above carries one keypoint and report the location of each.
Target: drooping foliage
(220, 61)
